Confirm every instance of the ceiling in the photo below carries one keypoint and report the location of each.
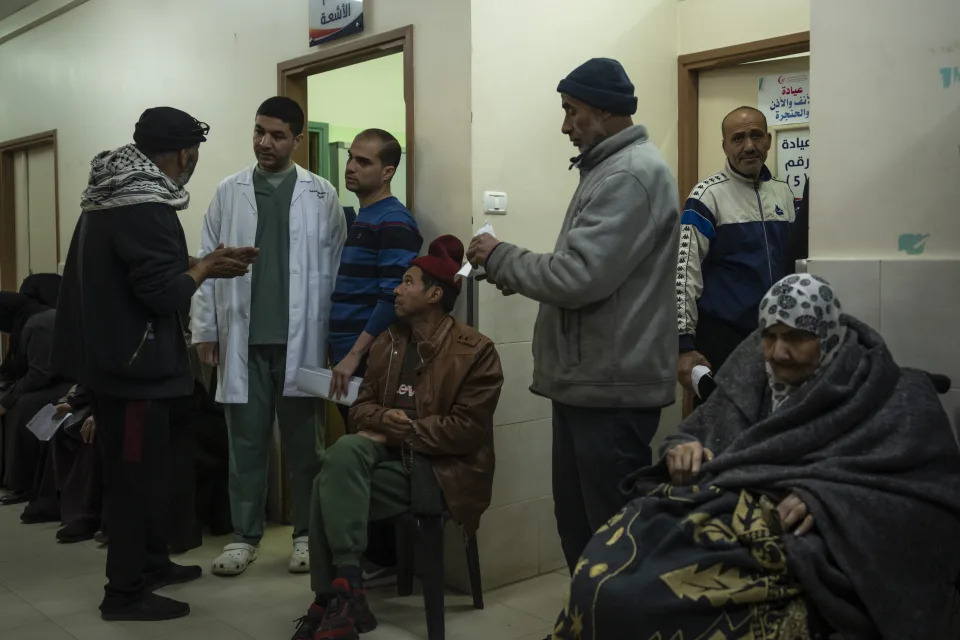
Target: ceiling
(9, 7)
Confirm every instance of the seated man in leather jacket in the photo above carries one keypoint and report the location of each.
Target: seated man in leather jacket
(428, 398)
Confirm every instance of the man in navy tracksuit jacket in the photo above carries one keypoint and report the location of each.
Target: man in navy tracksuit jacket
(734, 234)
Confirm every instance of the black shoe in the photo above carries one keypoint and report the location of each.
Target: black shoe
(348, 614)
(171, 574)
(76, 532)
(15, 497)
(151, 608)
(36, 516)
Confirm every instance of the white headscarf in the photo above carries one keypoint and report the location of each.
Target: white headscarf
(807, 303)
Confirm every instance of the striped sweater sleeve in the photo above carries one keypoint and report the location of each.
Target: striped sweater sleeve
(400, 243)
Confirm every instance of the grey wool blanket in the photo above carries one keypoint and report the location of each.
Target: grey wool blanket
(868, 447)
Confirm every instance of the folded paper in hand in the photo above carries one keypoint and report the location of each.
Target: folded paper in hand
(468, 268)
(316, 382)
(46, 422)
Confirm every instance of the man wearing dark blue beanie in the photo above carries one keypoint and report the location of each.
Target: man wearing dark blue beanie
(605, 341)
(601, 83)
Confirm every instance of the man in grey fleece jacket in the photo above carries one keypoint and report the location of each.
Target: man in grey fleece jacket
(605, 342)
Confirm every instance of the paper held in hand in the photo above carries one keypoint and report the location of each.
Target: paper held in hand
(468, 269)
(316, 382)
(46, 422)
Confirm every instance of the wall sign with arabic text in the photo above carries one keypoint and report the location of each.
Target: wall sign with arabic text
(793, 158)
(332, 19)
(784, 99)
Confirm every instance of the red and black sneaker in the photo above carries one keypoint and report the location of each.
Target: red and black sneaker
(347, 615)
(307, 625)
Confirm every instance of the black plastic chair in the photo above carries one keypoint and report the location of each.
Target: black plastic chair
(420, 551)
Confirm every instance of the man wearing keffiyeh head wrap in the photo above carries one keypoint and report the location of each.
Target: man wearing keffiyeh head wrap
(127, 282)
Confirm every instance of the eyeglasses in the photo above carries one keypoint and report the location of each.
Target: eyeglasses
(202, 127)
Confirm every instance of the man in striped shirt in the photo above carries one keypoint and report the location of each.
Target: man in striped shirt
(380, 245)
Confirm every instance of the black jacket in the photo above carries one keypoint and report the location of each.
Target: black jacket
(123, 304)
(34, 352)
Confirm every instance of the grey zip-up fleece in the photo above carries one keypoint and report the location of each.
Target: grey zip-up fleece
(606, 334)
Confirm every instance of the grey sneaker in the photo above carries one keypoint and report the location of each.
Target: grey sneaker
(376, 576)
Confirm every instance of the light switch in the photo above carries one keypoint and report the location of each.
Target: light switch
(495, 203)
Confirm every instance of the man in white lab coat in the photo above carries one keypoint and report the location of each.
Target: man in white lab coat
(260, 329)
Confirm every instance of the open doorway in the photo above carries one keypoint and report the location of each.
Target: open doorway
(29, 215)
(364, 83)
(345, 101)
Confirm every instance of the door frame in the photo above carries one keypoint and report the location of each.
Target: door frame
(689, 67)
(8, 216)
(292, 81)
(322, 129)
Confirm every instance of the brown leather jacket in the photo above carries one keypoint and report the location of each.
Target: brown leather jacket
(457, 390)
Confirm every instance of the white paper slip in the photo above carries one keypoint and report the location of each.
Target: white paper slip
(698, 372)
(316, 382)
(46, 422)
(467, 269)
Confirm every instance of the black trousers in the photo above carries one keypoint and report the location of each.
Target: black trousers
(135, 442)
(593, 451)
(715, 341)
(70, 485)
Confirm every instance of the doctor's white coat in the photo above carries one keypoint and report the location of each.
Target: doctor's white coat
(221, 308)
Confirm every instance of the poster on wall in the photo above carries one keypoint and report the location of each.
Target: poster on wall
(793, 158)
(785, 99)
(332, 19)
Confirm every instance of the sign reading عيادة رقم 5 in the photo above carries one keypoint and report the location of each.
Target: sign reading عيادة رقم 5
(332, 19)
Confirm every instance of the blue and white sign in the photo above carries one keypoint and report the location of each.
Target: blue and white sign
(332, 19)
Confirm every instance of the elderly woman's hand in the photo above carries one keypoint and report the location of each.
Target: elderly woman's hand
(794, 513)
(684, 461)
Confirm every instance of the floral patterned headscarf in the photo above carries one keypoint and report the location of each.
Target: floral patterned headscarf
(807, 303)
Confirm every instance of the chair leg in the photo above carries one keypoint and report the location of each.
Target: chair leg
(431, 563)
(473, 568)
(405, 568)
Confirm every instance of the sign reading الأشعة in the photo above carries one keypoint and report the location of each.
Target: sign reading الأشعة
(332, 19)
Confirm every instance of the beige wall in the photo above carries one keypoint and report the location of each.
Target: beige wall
(722, 91)
(89, 73)
(710, 24)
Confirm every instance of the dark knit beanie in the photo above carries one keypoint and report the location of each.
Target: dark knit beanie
(168, 129)
(601, 83)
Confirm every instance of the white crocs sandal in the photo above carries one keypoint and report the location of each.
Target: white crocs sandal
(235, 559)
(300, 558)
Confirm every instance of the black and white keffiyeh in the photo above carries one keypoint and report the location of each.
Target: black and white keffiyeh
(807, 303)
(126, 176)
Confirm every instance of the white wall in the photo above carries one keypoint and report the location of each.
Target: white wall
(89, 73)
(887, 130)
(711, 24)
(887, 152)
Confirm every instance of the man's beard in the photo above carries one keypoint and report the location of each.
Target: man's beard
(184, 177)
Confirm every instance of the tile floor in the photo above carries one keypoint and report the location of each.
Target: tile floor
(50, 591)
